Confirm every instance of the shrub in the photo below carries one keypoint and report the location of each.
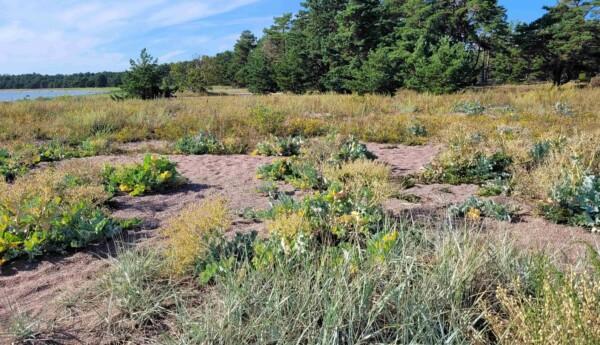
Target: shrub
(266, 121)
(349, 150)
(474, 208)
(276, 146)
(203, 143)
(155, 174)
(362, 179)
(52, 210)
(469, 108)
(191, 233)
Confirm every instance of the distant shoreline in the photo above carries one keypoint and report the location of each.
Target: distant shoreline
(64, 89)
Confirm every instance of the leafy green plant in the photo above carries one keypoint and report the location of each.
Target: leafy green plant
(297, 172)
(155, 174)
(418, 130)
(51, 212)
(350, 149)
(478, 169)
(540, 151)
(575, 201)
(10, 167)
(203, 143)
(469, 108)
(474, 208)
(275, 146)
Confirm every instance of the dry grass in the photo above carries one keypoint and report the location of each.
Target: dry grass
(189, 234)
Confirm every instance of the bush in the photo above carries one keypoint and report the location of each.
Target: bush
(50, 211)
(474, 208)
(276, 146)
(155, 174)
(299, 173)
(349, 150)
(203, 143)
(191, 234)
(266, 121)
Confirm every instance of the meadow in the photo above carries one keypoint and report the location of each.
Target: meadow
(330, 262)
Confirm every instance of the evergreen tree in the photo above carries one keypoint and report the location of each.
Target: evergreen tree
(145, 78)
(241, 51)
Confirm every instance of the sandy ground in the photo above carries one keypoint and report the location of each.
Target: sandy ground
(39, 286)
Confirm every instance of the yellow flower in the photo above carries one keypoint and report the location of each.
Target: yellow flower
(474, 214)
(165, 176)
(124, 188)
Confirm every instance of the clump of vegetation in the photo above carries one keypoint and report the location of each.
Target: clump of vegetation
(469, 108)
(476, 169)
(474, 208)
(275, 146)
(154, 174)
(418, 130)
(191, 234)
(266, 121)
(203, 143)
(575, 200)
(552, 308)
(563, 108)
(51, 211)
(306, 170)
(10, 167)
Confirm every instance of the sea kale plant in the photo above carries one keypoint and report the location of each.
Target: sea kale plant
(154, 174)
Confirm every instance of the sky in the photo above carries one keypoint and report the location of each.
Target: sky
(69, 36)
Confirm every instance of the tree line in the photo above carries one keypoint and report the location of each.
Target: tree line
(375, 46)
(380, 46)
(78, 80)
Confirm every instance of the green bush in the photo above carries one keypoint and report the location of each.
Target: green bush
(275, 146)
(155, 174)
(350, 150)
(203, 143)
(266, 121)
(474, 208)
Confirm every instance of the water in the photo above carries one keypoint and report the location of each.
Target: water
(15, 95)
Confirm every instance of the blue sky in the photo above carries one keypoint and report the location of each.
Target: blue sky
(67, 36)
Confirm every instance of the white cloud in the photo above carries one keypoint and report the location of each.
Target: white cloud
(65, 36)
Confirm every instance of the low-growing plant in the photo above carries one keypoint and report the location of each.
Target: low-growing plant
(200, 144)
(275, 146)
(575, 200)
(469, 108)
(418, 130)
(10, 167)
(52, 210)
(136, 290)
(476, 170)
(154, 174)
(297, 172)
(563, 108)
(191, 234)
(474, 209)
